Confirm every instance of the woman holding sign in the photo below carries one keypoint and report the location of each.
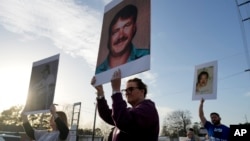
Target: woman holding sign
(58, 123)
(140, 122)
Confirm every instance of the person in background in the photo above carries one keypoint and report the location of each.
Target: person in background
(58, 123)
(216, 130)
(191, 136)
(206, 137)
(137, 123)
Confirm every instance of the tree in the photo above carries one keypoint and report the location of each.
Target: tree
(40, 120)
(85, 131)
(177, 122)
(105, 128)
(98, 132)
(196, 127)
(165, 131)
(11, 116)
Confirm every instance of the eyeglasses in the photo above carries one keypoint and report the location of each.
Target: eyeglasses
(129, 89)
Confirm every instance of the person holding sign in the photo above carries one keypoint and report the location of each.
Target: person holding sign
(191, 136)
(58, 123)
(216, 130)
(139, 122)
(121, 33)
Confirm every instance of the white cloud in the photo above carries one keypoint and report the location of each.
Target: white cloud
(164, 111)
(106, 1)
(150, 77)
(73, 28)
(147, 77)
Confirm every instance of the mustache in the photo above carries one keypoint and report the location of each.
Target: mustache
(120, 40)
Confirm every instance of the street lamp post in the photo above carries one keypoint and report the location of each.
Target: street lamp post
(93, 134)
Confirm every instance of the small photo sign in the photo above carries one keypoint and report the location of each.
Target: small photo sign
(205, 81)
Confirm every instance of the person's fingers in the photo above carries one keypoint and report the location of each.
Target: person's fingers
(52, 107)
(116, 74)
(116, 80)
(202, 100)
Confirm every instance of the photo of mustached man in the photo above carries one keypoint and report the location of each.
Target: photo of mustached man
(122, 30)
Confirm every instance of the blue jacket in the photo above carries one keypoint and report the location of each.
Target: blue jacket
(220, 132)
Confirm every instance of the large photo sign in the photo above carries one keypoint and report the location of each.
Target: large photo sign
(42, 85)
(205, 81)
(125, 39)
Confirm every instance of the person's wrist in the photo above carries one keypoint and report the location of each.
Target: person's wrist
(100, 93)
(116, 91)
(55, 115)
(25, 119)
(100, 96)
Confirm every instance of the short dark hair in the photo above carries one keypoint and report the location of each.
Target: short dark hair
(62, 115)
(140, 84)
(202, 73)
(191, 129)
(214, 113)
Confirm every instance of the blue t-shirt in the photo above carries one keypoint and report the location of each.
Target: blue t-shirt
(217, 133)
(135, 54)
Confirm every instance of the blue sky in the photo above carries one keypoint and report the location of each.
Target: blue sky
(183, 34)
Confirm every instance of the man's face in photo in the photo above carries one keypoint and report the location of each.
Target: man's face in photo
(122, 34)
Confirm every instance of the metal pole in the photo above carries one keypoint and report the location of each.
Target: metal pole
(93, 134)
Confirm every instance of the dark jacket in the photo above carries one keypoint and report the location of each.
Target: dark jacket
(137, 123)
(63, 129)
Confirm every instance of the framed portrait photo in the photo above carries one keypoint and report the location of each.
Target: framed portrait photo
(205, 81)
(42, 85)
(125, 39)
